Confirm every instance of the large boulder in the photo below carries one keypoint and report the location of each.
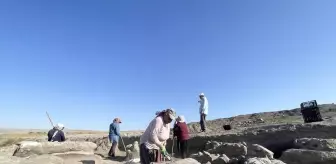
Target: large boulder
(302, 156)
(315, 144)
(182, 161)
(256, 150)
(275, 161)
(132, 151)
(256, 160)
(186, 161)
(28, 148)
(230, 149)
(8, 150)
(223, 159)
(204, 157)
(212, 145)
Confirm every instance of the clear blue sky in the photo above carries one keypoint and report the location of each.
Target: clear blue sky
(86, 62)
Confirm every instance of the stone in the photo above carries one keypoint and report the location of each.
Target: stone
(302, 156)
(8, 150)
(212, 145)
(28, 148)
(133, 151)
(223, 159)
(186, 161)
(230, 149)
(182, 161)
(204, 157)
(234, 161)
(275, 161)
(256, 150)
(256, 160)
(315, 144)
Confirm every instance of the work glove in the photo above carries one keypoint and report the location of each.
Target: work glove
(164, 143)
(163, 149)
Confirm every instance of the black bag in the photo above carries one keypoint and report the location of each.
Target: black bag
(310, 111)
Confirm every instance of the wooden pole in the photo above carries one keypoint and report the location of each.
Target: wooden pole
(50, 119)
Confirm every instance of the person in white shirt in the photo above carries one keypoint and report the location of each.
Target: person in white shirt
(203, 110)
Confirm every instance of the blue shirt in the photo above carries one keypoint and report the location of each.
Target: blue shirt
(114, 132)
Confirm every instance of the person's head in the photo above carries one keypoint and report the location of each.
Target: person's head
(201, 96)
(117, 120)
(180, 118)
(168, 115)
(59, 126)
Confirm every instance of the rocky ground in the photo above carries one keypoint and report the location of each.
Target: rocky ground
(260, 138)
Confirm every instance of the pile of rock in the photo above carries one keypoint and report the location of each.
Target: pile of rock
(235, 153)
(311, 151)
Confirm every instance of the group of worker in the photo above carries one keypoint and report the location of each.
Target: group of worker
(153, 141)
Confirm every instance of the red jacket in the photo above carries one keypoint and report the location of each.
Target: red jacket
(181, 131)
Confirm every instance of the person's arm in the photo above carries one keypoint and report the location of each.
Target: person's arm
(156, 124)
(111, 128)
(49, 135)
(62, 136)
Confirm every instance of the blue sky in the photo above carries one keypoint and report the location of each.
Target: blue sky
(86, 62)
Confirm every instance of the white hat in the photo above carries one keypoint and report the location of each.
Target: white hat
(202, 94)
(60, 126)
(180, 118)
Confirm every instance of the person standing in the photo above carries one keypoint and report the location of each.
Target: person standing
(203, 110)
(182, 135)
(153, 140)
(114, 134)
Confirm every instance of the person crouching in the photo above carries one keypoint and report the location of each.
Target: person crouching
(114, 134)
(181, 133)
(56, 134)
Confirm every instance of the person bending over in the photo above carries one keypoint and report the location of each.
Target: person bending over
(153, 140)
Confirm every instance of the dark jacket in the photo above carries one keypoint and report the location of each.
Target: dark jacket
(58, 137)
(181, 131)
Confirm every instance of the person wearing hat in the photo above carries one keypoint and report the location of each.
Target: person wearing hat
(114, 134)
(203, 110)
(153, 140)
(181, 133)
(56, 134)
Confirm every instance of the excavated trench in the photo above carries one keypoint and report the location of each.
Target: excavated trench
(280, 147)
(277, 138)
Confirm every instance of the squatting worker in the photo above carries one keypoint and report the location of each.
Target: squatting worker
(153, 140)
(203, 110)
(56, 134)
(114, 134)
(181, 133)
